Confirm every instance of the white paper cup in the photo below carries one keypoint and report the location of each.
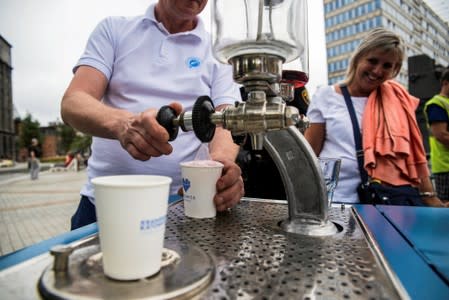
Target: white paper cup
(199, 179)
(131, 212)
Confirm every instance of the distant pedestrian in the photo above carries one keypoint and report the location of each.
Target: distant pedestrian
(34, 155)
(68, 158)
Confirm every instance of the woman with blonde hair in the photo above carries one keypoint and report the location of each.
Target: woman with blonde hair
(369, 122)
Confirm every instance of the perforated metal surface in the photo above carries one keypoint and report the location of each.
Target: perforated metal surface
(254, 259)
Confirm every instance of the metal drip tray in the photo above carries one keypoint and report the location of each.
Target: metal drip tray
(251, 257)
(255, 259)
(185, 271)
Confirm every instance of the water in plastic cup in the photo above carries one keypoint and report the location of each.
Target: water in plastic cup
(131, 213)
(331, 171)
(199, 179)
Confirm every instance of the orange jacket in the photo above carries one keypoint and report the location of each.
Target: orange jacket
(392, 143)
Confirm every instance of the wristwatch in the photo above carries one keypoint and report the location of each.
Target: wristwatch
(427, 194)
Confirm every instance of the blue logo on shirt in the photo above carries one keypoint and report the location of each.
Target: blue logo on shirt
(185, 184)
(193, 62)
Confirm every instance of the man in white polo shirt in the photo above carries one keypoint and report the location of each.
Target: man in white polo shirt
(130, 68)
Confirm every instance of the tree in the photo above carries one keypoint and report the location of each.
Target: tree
(81, 143)
(67, 135)
(30, 129)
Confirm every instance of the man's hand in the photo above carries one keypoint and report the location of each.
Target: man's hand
(143, 137)
(230, 188)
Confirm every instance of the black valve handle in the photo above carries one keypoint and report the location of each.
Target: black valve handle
(165, 117)
(202, 124)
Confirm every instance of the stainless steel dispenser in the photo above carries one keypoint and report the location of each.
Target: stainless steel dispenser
(257, 37)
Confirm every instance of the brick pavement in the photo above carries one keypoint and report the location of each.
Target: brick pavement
(33, 211)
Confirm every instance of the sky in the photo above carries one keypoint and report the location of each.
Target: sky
(49, 36)
(440, 7)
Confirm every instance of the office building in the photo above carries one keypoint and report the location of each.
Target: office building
(346, 21)
(7, 132)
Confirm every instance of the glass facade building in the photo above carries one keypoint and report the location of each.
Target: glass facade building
(346, 21)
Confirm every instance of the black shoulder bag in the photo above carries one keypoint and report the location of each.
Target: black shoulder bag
(374, 192)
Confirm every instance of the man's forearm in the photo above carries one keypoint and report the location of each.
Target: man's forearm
(222, 145)
(444, 139)
(90, 116)
(440, 132)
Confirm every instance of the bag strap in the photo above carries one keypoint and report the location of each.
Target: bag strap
(357, 135)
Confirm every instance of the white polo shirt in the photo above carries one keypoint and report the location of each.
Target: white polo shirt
(329, 107)
(147, 67)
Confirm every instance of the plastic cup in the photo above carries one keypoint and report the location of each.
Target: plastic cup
(199, 179)
(131, 213)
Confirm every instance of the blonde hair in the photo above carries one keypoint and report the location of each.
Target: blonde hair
(378, 38)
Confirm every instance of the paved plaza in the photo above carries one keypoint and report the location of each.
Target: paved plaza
(32, 211)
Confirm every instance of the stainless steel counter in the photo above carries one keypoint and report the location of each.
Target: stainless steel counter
(255, 259)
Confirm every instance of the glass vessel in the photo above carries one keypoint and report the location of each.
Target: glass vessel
(268, 27)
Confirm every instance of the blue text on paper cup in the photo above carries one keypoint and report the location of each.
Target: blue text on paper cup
(189, 197)
(152, 224)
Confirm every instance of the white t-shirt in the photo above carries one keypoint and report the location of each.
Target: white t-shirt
(327, 106)
(147, 67)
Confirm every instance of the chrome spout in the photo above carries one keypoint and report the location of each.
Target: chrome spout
(303, 182)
